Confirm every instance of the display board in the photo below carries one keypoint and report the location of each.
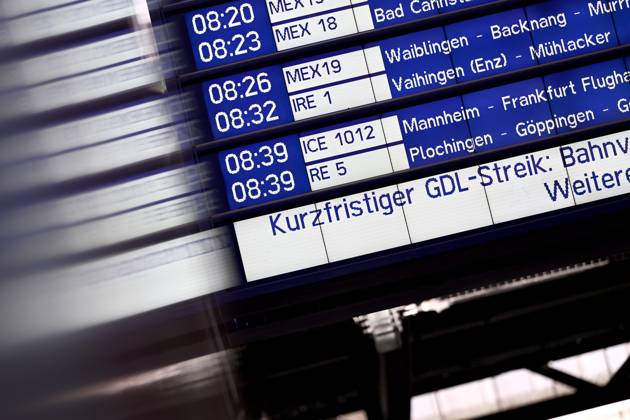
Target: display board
(460, 52)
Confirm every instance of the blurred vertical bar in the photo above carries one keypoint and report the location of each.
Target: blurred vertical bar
(102, 202)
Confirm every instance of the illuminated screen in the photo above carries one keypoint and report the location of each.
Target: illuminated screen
(532, 109)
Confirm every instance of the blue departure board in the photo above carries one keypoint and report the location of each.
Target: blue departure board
(535, 109)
